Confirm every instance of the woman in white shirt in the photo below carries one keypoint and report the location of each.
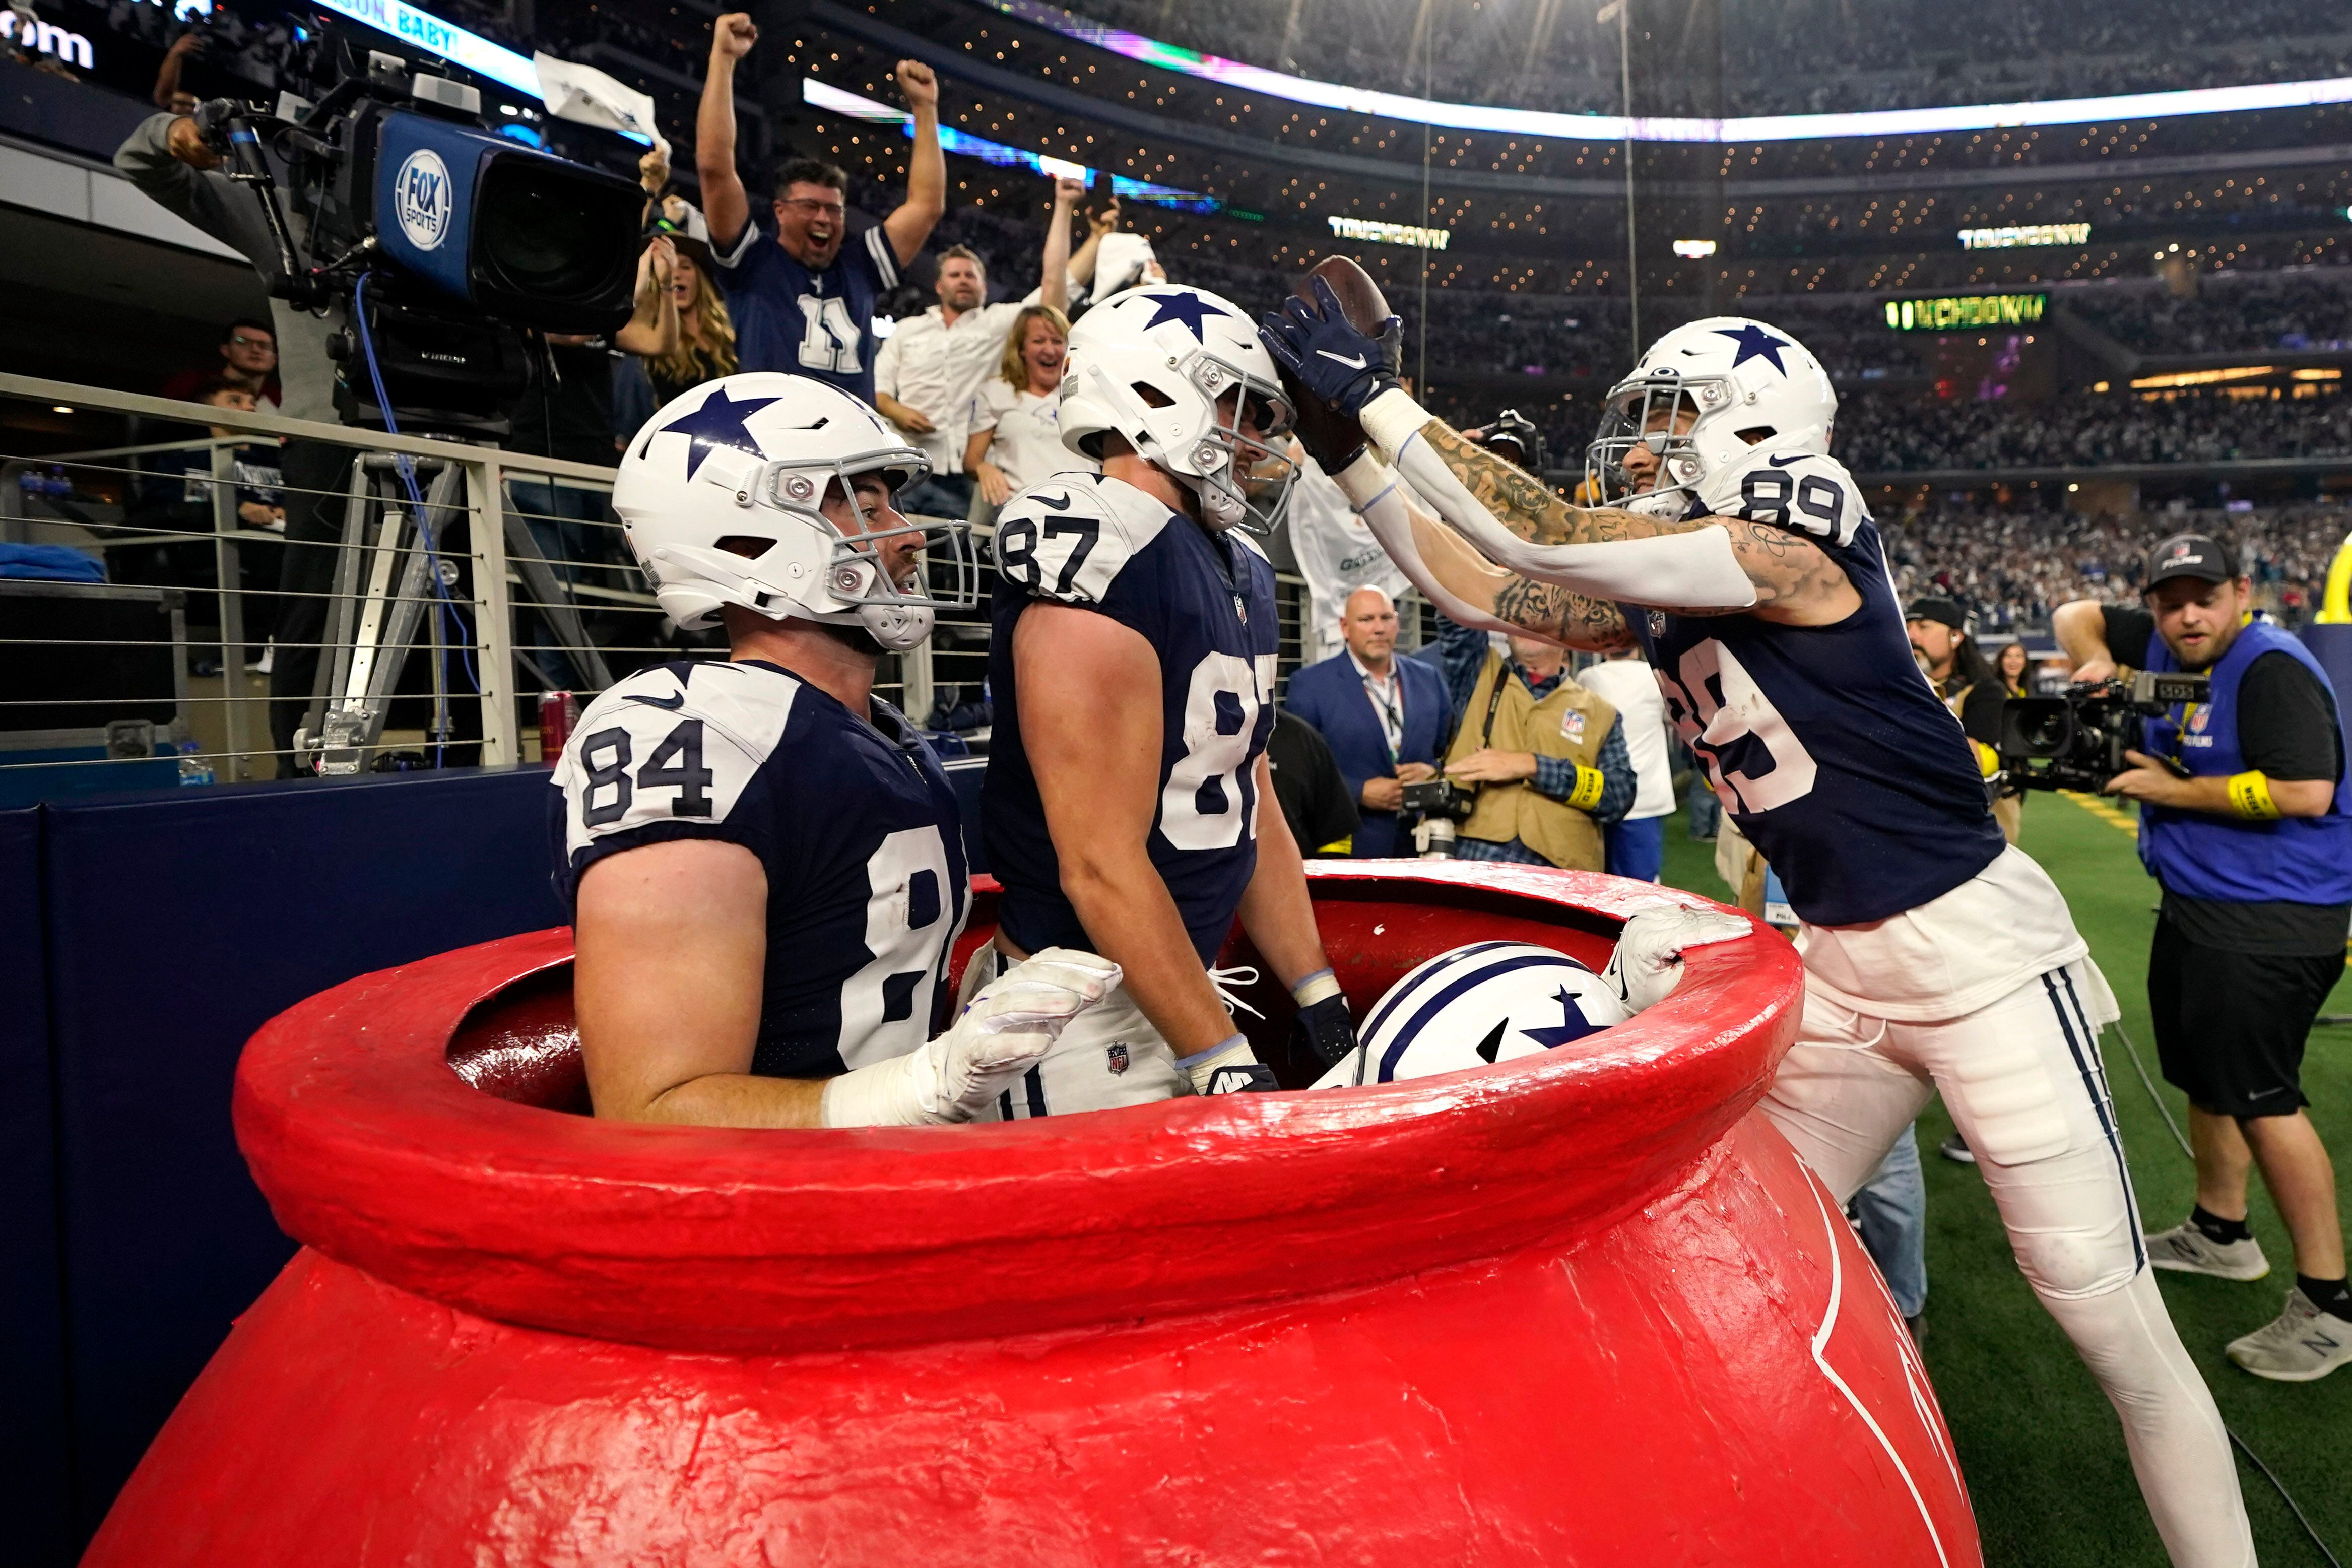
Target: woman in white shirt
(1016, 426)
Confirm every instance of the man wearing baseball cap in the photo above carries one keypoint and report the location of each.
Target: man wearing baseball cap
(2246, 821)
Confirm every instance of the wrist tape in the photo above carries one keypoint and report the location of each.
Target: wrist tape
(2250, 797)
(1234, 1050)
(1588, 786)
(1314, 988)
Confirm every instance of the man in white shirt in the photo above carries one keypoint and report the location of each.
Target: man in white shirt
(931, 365)
(1637, 843)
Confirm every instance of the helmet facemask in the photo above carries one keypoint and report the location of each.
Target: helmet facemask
(1663, 416)
(852, 585)
(1242, 481)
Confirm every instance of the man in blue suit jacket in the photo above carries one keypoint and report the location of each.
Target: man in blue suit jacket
(1384, 718)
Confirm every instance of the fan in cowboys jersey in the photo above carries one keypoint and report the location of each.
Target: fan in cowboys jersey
(1744, 563)
(764, 860)
(1133, 663)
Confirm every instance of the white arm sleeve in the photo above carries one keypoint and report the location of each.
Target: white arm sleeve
(1378, 499)
(1697, 570)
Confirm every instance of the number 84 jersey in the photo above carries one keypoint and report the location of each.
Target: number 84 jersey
(1826, 744)
(854, 824)
(1205, 604)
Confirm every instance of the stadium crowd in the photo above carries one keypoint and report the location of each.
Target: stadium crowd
(2010, 567)
(1887, 435)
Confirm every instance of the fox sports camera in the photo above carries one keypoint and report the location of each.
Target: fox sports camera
(448, 241)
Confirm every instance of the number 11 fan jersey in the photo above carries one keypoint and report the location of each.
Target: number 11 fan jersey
(854, 824)
(1205, 604)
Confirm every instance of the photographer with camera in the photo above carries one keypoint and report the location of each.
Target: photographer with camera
(1540, 763)
(1384, 718)
(2246, 821)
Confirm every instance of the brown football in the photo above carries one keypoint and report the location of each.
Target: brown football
(1360, 299)
(1330, 435)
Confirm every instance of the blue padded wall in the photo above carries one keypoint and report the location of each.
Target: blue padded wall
(177, 923)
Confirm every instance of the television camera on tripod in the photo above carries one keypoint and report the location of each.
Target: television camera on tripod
(441, 246)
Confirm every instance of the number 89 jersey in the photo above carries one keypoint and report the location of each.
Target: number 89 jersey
(854, 824)
(1825, 744)
(1205, 604)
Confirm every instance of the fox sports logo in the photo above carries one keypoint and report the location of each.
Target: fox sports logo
(421, 197)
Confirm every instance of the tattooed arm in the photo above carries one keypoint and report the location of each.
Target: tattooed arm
(1470, 589)
(1513, 520)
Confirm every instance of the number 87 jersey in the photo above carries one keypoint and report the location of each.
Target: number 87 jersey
(1205, 604)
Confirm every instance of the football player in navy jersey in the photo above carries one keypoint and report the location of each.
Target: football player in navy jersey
(1740, 557)
(1133, 663)
(764, 860)
(803, 300)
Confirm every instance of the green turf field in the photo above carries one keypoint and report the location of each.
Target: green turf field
(2043, 1455)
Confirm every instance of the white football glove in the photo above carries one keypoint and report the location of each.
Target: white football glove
(1648, 962)
(1008, 1029)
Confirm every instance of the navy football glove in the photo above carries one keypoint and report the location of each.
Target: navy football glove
(1249, 1078)
(1328, 357)
(1322, 1033)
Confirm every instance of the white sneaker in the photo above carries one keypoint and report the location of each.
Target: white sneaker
(2299, 1345)
(2188, 1250)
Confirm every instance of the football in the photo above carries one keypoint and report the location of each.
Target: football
(1360, 299)
(1330, 435)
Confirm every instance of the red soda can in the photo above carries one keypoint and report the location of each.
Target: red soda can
(559, 712)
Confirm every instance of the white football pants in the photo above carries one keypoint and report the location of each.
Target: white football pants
(1107, 1057)
(2024, 1083)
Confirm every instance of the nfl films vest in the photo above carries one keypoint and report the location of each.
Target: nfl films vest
(2295, 860)
(1570, 723)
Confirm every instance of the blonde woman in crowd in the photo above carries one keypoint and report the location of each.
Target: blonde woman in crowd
(1017, 428)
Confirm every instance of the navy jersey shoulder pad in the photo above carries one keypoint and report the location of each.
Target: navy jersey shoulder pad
(675, 744)
(1067, 538)
(1802, 491)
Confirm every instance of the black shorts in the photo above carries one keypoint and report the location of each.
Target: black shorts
(2231, 1026)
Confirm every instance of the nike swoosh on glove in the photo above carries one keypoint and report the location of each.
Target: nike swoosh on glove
(1008, 1029)
(1327, 356)
(1648, 963)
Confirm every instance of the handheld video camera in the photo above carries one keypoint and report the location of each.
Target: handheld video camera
(2077, 739)
(446, 238)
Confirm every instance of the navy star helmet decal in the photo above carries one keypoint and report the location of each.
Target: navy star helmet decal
(1573, 1025)
(1754, 342)
(1180, 305)
(719, 422)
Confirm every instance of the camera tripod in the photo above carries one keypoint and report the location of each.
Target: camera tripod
(393, 565)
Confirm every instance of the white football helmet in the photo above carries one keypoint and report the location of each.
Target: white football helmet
(1474, 1006)
(1704, 399)
(720, 497)
(1152, 366)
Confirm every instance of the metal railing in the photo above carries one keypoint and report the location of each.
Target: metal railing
(436, 628)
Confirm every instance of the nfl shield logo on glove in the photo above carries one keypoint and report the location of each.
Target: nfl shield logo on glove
(1116, 1055)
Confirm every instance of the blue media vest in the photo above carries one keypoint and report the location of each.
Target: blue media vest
(2295, 860)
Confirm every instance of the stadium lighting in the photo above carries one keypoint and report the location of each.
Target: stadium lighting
(821, 95)
(1662, 128)
(1694, 249)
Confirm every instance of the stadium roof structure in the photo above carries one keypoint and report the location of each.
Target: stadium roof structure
(1666, 128)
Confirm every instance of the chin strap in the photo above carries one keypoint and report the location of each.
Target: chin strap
(1697, 570)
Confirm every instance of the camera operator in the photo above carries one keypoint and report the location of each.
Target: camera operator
(1547, 758)
(1384, 717)
(2247, 823)
(167, 160)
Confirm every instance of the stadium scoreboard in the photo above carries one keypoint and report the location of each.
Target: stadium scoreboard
(1966, 312)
